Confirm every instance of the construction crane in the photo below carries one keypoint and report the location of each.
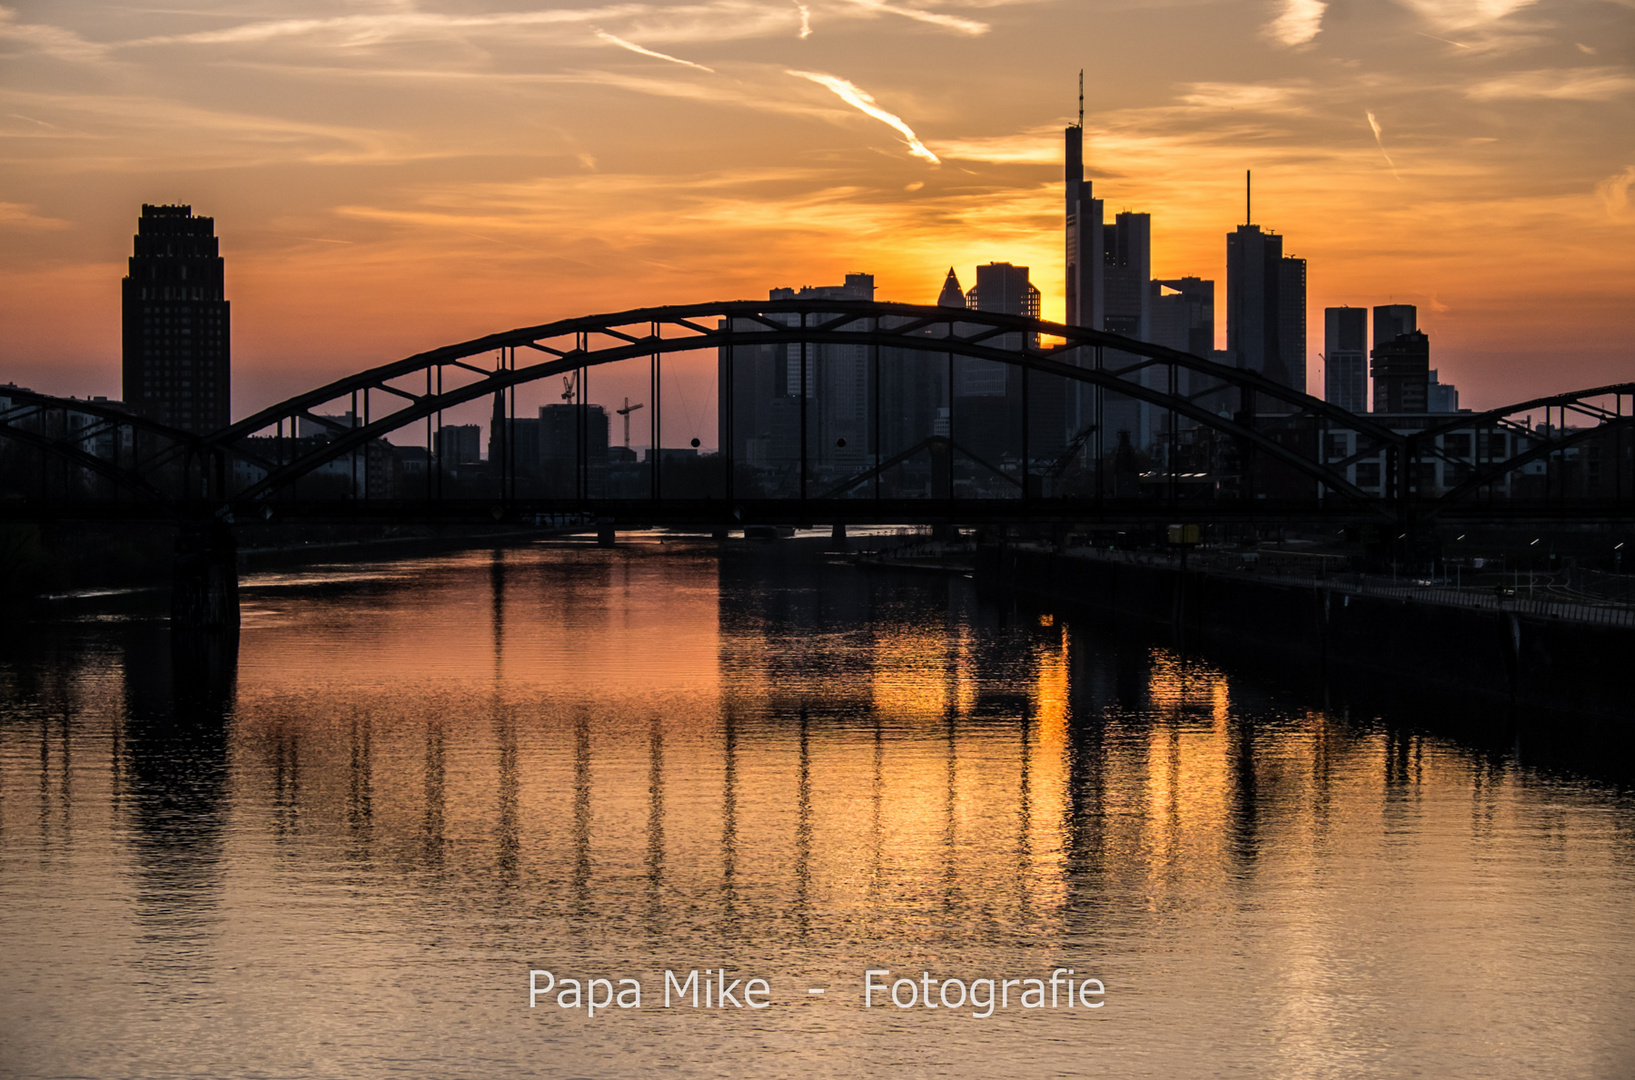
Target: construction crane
(625, 412)
(1065, 458)
(569, 385)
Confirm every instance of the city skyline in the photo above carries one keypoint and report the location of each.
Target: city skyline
(354, 234)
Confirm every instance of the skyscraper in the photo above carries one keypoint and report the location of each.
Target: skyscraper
(1391, 320)
(176, 337)
(1126, 299)
(1345, 358)
(1265, 307)
(1184, 318)
(1402, 374)
(1086, 253)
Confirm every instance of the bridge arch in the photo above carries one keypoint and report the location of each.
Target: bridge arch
(579, 344)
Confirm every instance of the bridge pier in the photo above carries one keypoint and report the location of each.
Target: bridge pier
(837, 537)
(605, 534)
(204, 579)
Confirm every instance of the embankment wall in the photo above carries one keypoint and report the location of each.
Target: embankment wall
(1495, 654)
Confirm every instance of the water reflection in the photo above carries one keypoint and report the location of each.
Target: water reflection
(178, 698)
(578, 757)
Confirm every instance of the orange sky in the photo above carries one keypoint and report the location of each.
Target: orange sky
(392, 175)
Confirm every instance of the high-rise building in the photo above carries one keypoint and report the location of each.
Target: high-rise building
(770, 403)
(1441, 397)
(1126, 299)
(459, 444)
(1345, 357)
(1402, 374)
(1127, 276)
(1183, 318)
(989, 396)
(1391, 320)
(1086, 250)
(177, 363)
(1265, 307)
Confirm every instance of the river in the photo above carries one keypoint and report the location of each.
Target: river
(432, 800)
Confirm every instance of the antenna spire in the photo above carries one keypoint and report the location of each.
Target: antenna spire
(1081, 97)
(1248, 211)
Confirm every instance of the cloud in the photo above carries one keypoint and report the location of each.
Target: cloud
(1465, 14)
(19, 216)
(1614, 193)
(1379, 138)
(862, 101)
(633, 47)
(1036, 146)
(50, 40)
(1562, 84)
(935, 18)
(1298, 22)
(805, 20)
(1256, 96)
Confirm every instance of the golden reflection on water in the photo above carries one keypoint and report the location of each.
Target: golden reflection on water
(502, 759)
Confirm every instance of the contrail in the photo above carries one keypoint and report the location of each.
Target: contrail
(861, 100)
(1443, 40)
(805, 20)
(935, 18)
(633, 47)
(1380, 139)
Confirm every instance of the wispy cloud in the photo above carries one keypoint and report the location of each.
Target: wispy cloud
(934, 18)
(805, 20)
(1298, 22)
(1037, 146)
(19, 216)
(51, 40)
(1379, 140)
(1614, 194)
(1465, 14)
(863, 102)
(1562, 84)
(633, 47)
(1250, 96)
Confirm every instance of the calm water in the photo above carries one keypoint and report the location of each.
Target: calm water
(426, 778)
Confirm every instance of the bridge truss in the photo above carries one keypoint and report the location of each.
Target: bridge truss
(1257, 449)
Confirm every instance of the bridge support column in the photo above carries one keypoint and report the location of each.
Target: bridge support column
(204, 580)
(605, 534)
(837, 538)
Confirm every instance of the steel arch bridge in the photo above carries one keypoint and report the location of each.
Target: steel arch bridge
(1277, 444)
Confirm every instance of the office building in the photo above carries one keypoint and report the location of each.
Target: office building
(1126, 303)
(1182, 315)
(1086, 247)
(1402, 374)
(563, 435)
(770, 394)
(1345, 357)
(1266, 308)
(1441, 397)
(459, 444)
(1393, 320)
(176, 337)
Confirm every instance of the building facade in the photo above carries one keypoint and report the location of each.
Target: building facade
(1345, 357)
(1265, 307)
(176, 339)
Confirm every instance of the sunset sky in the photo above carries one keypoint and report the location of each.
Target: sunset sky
(392, 175)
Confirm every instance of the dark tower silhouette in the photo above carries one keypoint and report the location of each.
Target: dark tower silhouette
(1402, 374)
(1265, 306)
(177, 365)
(1086, 253)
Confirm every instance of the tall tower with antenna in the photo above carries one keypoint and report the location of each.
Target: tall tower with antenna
(1083, 232)
(1265, 302)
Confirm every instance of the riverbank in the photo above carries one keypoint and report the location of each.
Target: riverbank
(1503, 650)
